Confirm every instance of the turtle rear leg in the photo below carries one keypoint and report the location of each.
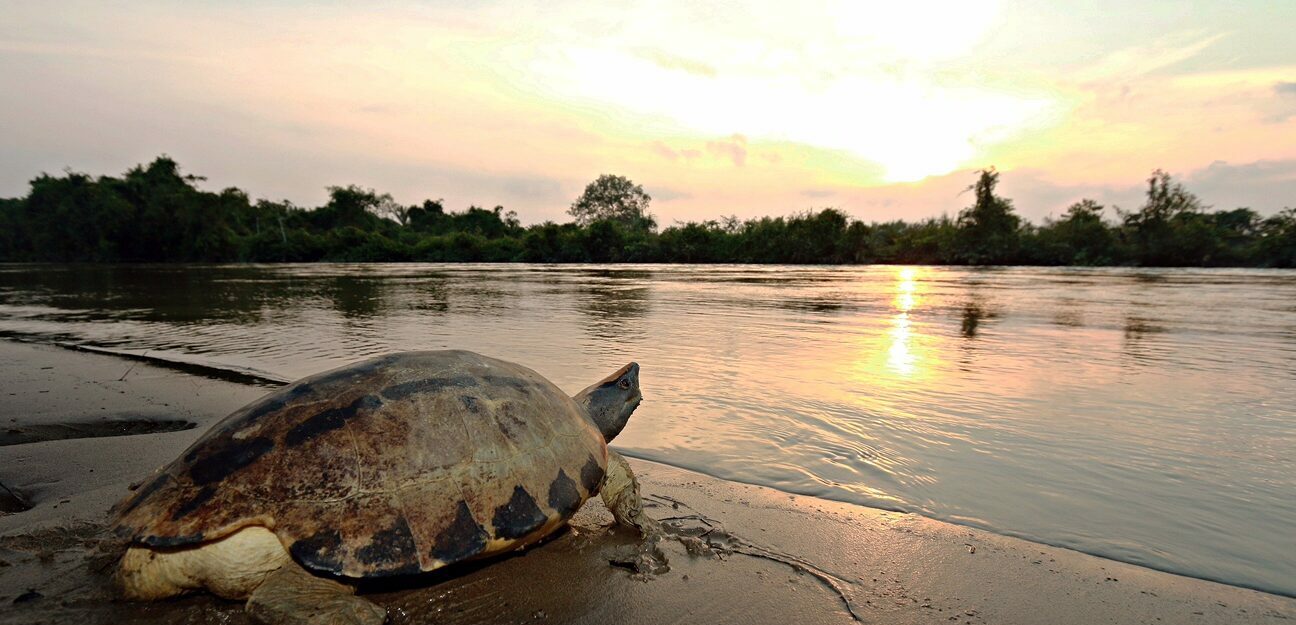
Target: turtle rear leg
(292, 596)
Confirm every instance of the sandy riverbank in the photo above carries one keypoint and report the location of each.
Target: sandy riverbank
(784, 558)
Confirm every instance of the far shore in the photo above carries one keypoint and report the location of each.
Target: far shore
(79, 427)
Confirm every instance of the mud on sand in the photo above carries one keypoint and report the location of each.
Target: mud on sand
(749, 554)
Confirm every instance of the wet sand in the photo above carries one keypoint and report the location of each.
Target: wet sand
(80, 427)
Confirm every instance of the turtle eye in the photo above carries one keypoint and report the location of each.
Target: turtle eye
(624, 384)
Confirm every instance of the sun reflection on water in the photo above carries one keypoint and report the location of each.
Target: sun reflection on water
(900, 358)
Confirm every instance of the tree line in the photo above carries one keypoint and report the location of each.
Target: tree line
(155, 213)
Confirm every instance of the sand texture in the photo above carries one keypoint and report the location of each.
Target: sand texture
(79, 428)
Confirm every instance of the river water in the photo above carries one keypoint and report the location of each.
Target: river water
(1143, 415)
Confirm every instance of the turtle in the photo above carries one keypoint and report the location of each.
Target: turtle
(396, 465)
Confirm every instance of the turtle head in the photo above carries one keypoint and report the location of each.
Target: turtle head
(611, 401)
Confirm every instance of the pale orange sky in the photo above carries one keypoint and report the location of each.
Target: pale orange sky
(715, 108)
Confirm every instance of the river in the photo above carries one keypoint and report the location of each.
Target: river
(1146, 415)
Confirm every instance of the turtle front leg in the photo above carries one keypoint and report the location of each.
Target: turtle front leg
(292, 596)
(621, 496)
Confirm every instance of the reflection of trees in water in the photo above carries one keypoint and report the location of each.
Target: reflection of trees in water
(974, 312)
(479, 295)
(619, 274)
(613, 311)
(176, 294)
(1290, 334)
(368, 295)
(1138, 341)
(425, 294)
(1150, 278)
(355, 296)
(972, 317)
(813, 305)
(1069, 313)
(1137, 328)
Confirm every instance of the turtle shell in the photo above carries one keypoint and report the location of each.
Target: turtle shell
(399, 464)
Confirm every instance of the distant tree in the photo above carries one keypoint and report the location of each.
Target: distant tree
(1168, 229)
(387, 208)
(426, 216)
(1080, 237)
(613, 198)
(1276, 246)
(1236, 232)
(987, 230)
(156, 213)
(817, 237)
(349, 206)
(491, 224)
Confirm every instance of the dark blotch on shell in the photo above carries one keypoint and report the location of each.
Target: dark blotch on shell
(228, 458)
(265, 406)
(591, 475)
(430, 385)
(517, 384)
(519, 517)
(277, 402)
(391, 551)
(172, 541)
(470, 403)
(507, 419)
(563, 496)
(194, 502)
(329, 420)
(144, 492)
(319, 552)
(464, 538)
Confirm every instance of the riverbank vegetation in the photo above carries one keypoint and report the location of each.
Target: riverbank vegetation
(155, 213)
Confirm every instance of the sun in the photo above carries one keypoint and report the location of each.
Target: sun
(843, 92)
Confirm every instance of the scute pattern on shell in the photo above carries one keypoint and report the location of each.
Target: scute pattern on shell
(395, 465)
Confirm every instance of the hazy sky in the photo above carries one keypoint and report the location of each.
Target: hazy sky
(881, 108)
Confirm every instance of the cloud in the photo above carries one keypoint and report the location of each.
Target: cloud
(734, 148)
(661, 149)
(1135, 61)
(1265, 186)
(667, 194)
(1285, 107)
(468, 102)
(686, 155)
(666, 60)
(375, 109)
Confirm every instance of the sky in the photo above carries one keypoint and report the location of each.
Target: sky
(882, 109)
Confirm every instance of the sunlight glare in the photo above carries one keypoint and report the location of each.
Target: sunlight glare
(900, 358)
(863, 88)
(920, 29)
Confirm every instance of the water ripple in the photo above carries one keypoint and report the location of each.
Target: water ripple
(1143, 415)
